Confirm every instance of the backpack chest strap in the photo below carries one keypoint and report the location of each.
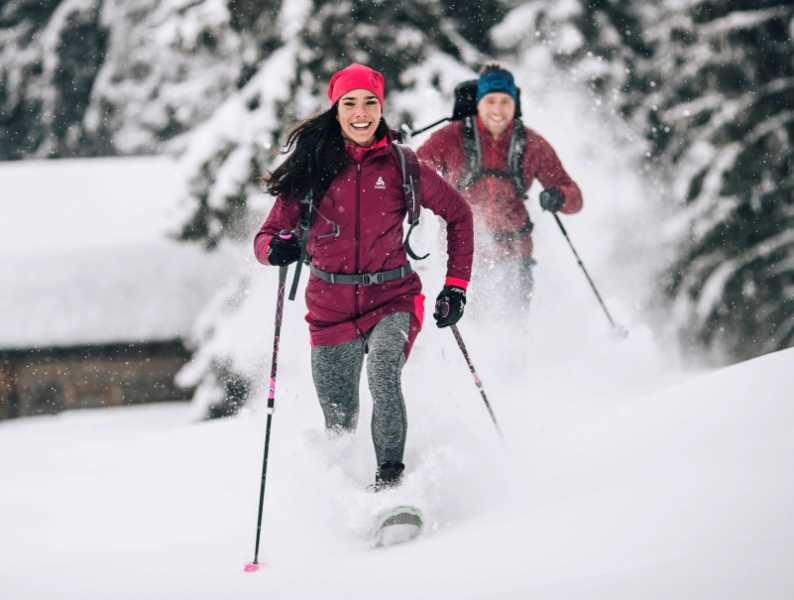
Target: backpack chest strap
(472, 153)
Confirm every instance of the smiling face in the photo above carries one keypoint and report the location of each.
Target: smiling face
(359, 113)
(496, 111)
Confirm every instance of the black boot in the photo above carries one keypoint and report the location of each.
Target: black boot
(388, 475)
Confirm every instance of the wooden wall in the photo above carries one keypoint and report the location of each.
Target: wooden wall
(49, 380)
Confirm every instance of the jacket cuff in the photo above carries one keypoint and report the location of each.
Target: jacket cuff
(261, 243)
(456, 282)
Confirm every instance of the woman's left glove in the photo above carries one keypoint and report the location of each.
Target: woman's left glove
(449, 306)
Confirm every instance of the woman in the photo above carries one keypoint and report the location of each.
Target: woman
(362, 295)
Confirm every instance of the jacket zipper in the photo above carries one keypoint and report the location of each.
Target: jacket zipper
(491, 182)
(358, 233)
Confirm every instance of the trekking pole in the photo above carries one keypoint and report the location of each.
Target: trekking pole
(619, 330)
(271, 400)
(477, 380)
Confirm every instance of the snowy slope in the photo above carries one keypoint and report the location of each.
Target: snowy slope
(680, 493)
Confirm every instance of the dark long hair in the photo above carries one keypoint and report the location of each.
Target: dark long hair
(317, 155)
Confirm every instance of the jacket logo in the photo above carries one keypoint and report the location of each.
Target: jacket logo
(380, 184)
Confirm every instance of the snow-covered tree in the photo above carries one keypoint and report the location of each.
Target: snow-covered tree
(727, 114)
(100, 77)
(709, 84)
(50, 54)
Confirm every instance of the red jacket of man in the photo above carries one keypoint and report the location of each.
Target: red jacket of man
(494, 199)
(366, 205)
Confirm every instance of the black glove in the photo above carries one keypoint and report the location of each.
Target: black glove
(284, 249)
(449, 306)
(551, 199)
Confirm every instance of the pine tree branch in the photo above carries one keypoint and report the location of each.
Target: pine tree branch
(742, 20)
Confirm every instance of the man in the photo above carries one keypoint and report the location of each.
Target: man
(492, 158)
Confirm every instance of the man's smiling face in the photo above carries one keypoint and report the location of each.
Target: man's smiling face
(496, 111)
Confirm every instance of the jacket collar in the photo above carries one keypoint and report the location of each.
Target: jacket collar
(359, 153)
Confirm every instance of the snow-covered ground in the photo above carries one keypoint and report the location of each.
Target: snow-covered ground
(681, 493)
(621, 475)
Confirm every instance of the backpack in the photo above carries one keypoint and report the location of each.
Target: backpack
(412, 192)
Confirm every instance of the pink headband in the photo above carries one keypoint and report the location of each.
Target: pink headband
(355, 77)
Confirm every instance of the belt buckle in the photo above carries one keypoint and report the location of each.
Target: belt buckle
(371, 278)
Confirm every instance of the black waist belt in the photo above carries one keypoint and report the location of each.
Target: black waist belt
(363, 278)
(509, 236)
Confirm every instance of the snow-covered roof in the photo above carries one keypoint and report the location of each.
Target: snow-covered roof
(86, 258)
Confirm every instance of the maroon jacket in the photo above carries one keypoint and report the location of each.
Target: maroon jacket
(494, 199)
(366, 201)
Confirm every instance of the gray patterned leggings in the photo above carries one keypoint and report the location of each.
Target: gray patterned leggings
(337, 371)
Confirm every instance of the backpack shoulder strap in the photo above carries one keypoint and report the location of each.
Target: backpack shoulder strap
(412, 184)
(515, 157)
(412, 192)
(471, 154)
(304, 225)
(307, 208)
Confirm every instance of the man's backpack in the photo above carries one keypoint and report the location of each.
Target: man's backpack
(412, 192)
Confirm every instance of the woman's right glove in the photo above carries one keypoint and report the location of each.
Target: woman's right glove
(449, 306)
(283, 249)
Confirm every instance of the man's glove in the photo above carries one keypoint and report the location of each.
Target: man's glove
(551, 199)
(284, 249)
(449, 306)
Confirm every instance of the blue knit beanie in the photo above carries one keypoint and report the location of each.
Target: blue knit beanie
(496, 80)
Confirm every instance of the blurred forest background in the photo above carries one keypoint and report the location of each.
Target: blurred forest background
(708, 85)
